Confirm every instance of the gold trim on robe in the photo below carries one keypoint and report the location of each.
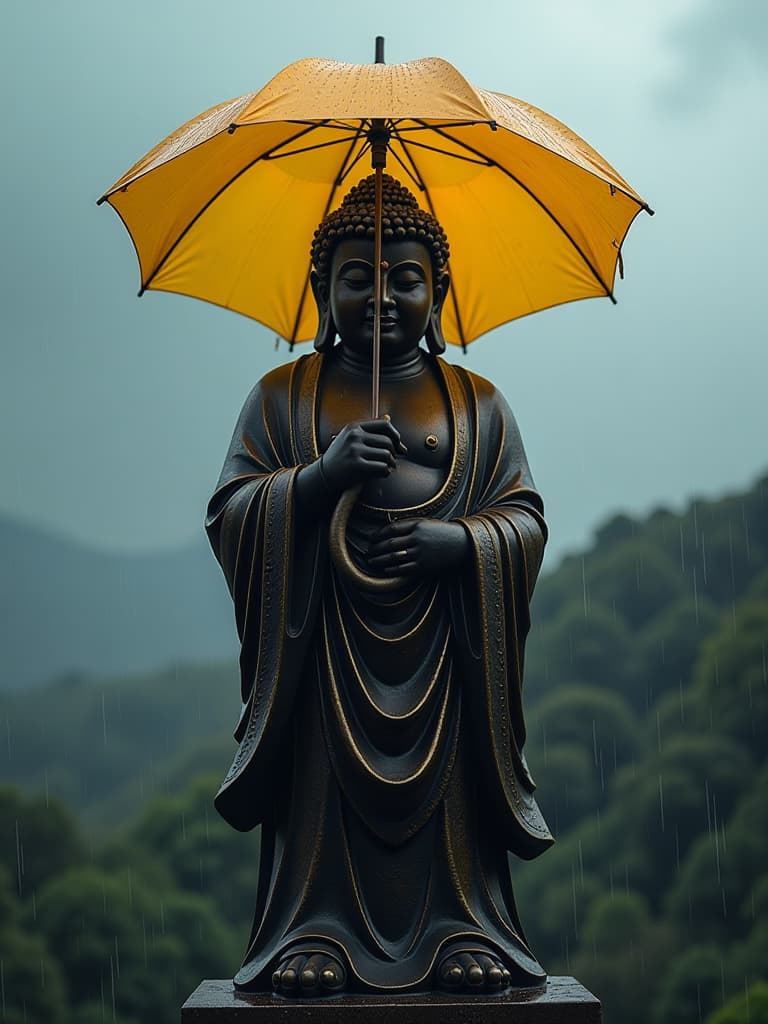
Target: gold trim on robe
(406, 700)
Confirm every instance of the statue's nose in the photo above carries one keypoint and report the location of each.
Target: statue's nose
(387, 300)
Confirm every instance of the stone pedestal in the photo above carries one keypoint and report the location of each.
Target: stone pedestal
(564, 1001)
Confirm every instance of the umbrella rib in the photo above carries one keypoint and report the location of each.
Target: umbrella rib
(454, 156)
(330, 122)
(422, 126)
(346, 171)
(415, 174)
(363, 149)
(331, 194)
(553, 218)
(423, 186)
(213, 199)
(308, 149)
(416, 181)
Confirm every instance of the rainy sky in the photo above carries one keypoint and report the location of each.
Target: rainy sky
(115, 412)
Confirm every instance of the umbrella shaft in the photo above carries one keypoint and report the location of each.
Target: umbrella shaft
(379, 139)
(376, 353)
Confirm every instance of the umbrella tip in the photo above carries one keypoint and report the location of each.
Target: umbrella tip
(379, 52)
(649, 210)
(102, 200)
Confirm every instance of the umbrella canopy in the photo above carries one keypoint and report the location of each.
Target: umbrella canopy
(224, 209)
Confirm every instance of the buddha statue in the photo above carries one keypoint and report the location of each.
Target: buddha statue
(381, 735)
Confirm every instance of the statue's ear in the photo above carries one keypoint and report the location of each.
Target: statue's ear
(326, 328)
(434, 332)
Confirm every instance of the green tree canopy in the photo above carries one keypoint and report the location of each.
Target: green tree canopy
(202, 852)
(723, 868)
(622, 948)
(636, 579)
(590, 717)
(668, 796)
(38, 839)
(590, 646)
(616, 922)
(749, 1007)
(126, 944)
(732, 676)
(568, 786)
(33, 986)
(691, 987)
(668, 648)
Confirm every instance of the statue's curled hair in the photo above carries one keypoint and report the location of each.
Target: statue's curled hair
(402, 218)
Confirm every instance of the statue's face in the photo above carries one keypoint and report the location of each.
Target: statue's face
(408, 294)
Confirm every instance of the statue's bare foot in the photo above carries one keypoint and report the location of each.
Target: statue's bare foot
(309, 974)
(464, 971)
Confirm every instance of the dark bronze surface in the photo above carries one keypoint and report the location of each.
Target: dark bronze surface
(564, 1001)
(381, 738)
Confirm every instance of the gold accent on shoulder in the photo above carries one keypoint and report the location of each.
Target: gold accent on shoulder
(523, 555)
(250, 446)
(306, 403)
(268, 432)
(497, 464)
(468, 379)
(291, 433)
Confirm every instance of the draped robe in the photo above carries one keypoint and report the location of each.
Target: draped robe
(381, 737)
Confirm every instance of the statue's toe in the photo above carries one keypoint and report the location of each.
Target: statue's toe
(470, 971)
(309, 975)
(308, 978)
(451, 974)
(333, 977)
(289, 980)
(286, 978)
(493, 975)
(473, 972)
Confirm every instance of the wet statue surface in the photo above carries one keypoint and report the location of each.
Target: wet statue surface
(381, 738)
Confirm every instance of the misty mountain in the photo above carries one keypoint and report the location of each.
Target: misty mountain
(66, 609)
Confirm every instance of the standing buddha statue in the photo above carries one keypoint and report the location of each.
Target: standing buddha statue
(381, 735)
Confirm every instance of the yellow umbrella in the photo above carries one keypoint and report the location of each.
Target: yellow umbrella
(224, 209)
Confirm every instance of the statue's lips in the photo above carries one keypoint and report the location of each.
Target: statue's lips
(387, 322)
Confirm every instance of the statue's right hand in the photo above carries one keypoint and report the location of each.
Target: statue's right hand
(360, 451)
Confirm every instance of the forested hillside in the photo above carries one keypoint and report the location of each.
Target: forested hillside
(69, 610)
(647, 697)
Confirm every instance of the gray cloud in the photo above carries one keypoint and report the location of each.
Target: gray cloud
(715, 42)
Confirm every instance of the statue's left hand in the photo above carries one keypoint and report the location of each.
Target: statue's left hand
(412, 546)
